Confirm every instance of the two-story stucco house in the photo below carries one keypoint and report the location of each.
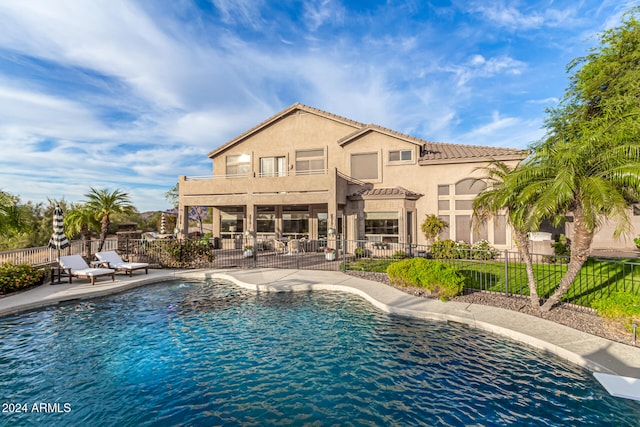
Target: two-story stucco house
(309, 173)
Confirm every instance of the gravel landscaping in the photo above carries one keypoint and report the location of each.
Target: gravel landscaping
(580, 319)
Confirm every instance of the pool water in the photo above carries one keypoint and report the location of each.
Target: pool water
(203, 353)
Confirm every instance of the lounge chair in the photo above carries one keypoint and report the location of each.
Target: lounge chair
(75, 266)
(113, 260)
(279, 247)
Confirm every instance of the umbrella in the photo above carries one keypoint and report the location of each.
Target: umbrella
(58, 239)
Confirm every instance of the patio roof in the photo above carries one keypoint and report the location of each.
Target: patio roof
(385, 193)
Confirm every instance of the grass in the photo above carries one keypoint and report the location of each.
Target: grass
(596, 280)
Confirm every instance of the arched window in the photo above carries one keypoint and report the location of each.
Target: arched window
(455, 206)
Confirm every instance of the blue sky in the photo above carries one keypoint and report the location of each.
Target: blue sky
(132, 94)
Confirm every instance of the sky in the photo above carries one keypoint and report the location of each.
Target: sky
(129, 95)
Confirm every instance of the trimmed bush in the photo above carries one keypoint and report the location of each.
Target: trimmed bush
(441, 279)
(620, 307)
(16, 277)
(188, 253)
(482, 250)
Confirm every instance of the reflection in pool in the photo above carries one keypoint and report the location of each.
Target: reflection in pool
(203, 353)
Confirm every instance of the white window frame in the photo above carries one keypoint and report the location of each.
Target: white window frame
(279, 166)
(300, 160)
(400, 159)
(242, 159)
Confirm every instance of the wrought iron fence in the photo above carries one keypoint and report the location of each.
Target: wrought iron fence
(486, 270)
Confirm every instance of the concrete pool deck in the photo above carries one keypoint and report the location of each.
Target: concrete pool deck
(598, 355)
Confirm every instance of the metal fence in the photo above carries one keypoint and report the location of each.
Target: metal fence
(485, 270)
(44, 255)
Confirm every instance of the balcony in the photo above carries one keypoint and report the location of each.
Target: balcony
(301, 187)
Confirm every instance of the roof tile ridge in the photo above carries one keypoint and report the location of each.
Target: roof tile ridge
(328, 114)
(483, 147)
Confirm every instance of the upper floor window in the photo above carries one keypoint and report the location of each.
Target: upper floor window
(273, 166)
(400, 156)
(238, 165)
(309, 161)
(364, 165)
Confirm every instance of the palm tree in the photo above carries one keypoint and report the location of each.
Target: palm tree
(11, 218)
(103, 204)
(588, 165)
(593, 179)
(503, 195)
(81, 220)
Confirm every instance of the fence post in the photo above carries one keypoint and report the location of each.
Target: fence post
(254, 254)
(344, 254)
(506, 272)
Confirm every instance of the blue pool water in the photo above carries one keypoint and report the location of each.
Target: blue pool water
(203, 353)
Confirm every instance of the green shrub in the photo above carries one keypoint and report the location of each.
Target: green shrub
(448, 249)
(620, 307)
(561, 250)
(441, 279)
(399, 255)
(360, 252)
(15, 277)
(482, 250)
(188, 253)
(444, 249)
(637, 242)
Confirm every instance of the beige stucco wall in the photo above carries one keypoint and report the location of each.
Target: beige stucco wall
(305, 130)
(604, 238)
(297, 131)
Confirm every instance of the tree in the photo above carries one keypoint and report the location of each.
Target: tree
(432, 227)
(103, 204)
(81, 220)
(588, 163)
(11, 218)
(173, 196)
(504, 195)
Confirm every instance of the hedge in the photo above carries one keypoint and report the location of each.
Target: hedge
(16, 277)
(442, 280)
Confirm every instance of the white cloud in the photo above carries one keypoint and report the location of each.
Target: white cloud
(509, 15)
(185, 87)
(241, 12)
(504, 131)
(317, 13)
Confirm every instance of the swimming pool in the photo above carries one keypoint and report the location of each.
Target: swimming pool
(202, 353)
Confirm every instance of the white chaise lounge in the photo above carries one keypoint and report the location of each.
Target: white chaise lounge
(113, 260)
(75, 266)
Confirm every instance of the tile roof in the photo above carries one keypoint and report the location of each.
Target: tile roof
(395, 193)
(430, 153)
(278, 116)
(438, 152)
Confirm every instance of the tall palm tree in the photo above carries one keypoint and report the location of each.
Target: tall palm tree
(103, 204)
(81, 220)
(503, 196)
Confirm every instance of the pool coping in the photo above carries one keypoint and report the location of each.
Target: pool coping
(620, 363)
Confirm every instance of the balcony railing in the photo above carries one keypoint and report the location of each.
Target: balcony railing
(45, 255)
(259, 175)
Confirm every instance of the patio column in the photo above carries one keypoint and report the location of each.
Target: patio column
(332, 210)
(215, 222)
(250, 217)
(183, 220)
